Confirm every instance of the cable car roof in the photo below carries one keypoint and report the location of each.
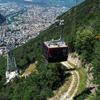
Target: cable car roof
(55, 44)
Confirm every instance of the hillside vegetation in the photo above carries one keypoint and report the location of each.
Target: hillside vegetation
(84, 18)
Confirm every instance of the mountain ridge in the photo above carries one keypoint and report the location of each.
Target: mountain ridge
(68, 3)
(86, 14)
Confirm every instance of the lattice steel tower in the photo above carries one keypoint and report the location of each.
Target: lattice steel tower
(11, 71)
(11, 63)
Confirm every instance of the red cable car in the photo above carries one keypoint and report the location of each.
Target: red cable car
(55, 50)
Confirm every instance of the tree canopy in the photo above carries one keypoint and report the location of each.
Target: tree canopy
(85, 41)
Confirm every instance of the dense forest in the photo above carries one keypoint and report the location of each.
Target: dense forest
(82, 24)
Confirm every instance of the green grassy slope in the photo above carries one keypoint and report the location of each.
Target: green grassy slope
(83, 15)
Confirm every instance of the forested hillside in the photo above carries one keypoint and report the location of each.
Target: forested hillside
(80, 21)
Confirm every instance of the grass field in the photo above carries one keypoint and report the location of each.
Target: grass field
(29, 70)
(83, 78)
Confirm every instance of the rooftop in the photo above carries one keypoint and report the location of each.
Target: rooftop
(55, 43)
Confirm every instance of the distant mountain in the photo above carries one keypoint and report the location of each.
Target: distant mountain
(68, 3)
(2, 19)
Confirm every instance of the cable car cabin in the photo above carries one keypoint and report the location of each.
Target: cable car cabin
(55, 51)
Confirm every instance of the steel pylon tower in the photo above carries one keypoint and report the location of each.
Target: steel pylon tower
(11, 63)
(11, 71)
